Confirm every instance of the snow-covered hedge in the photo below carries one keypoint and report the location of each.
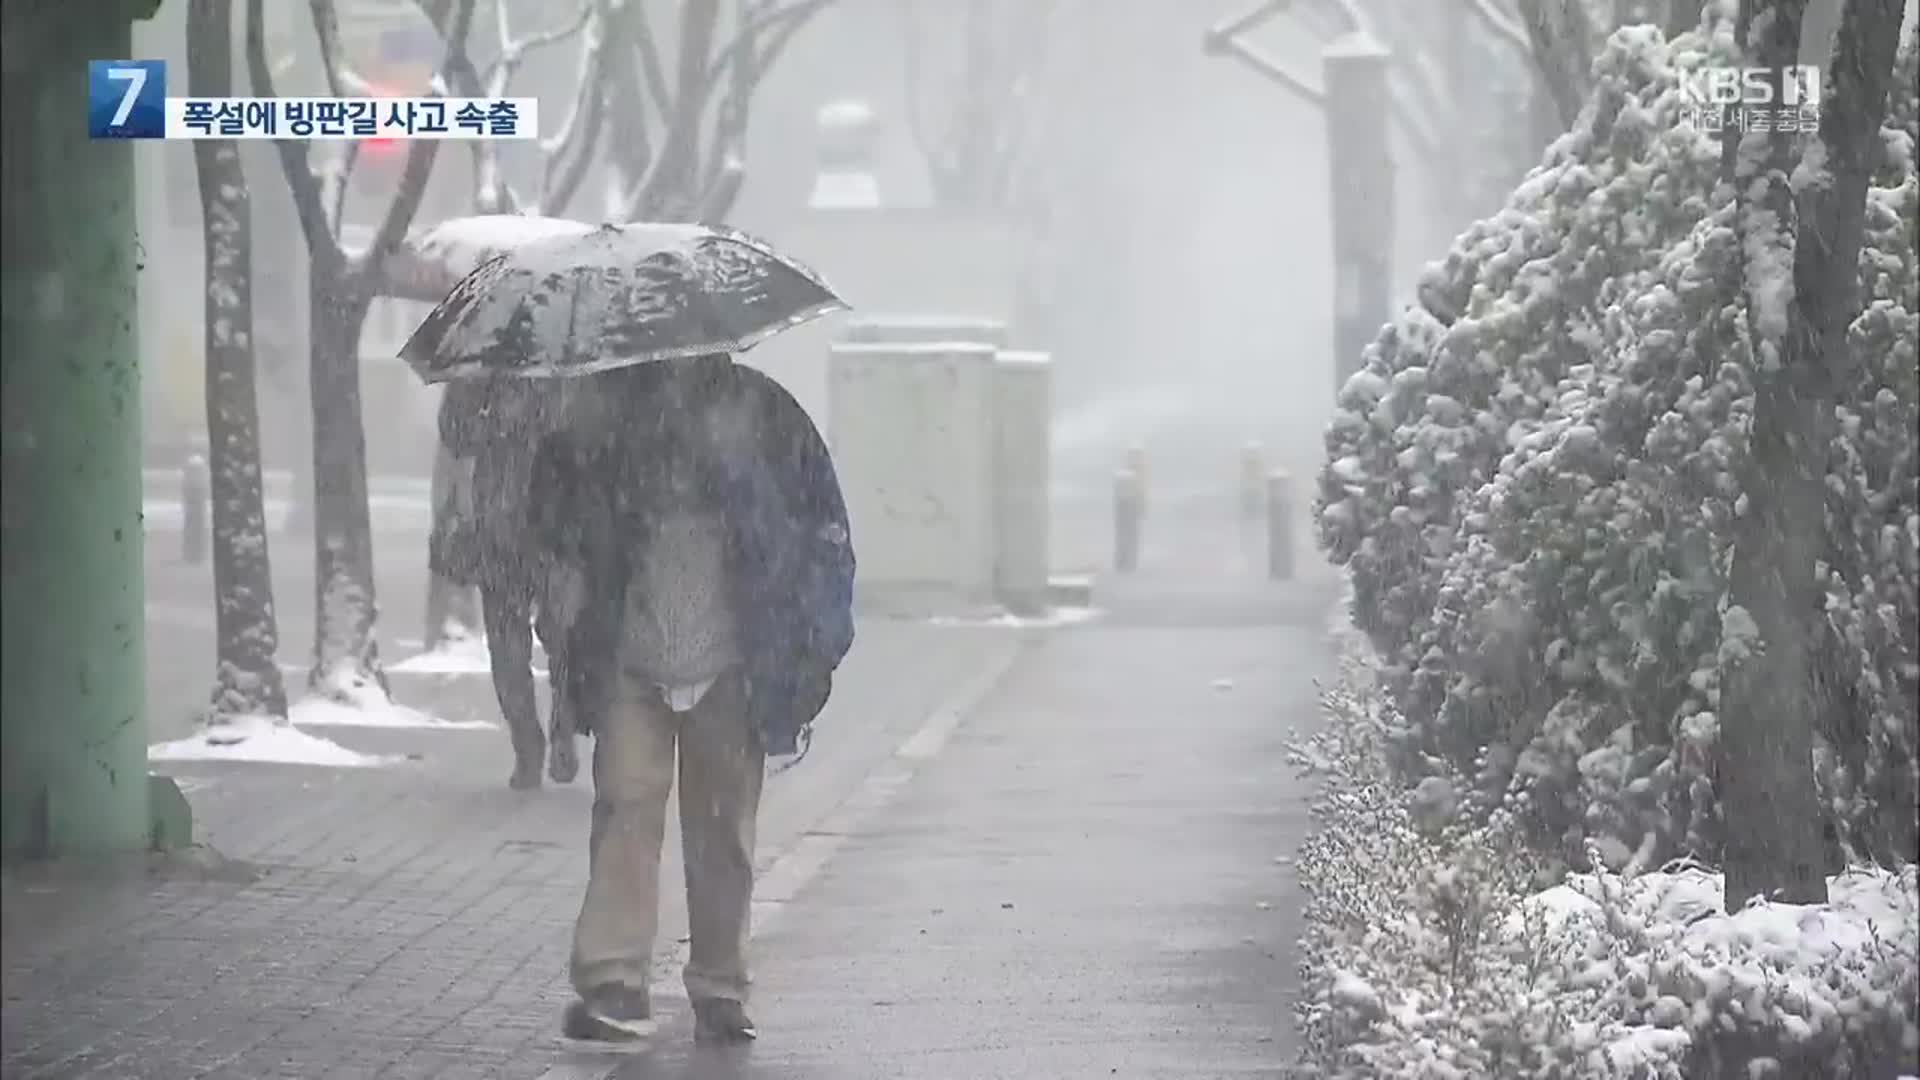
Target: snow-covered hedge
(1532, 485)
(1435, 948)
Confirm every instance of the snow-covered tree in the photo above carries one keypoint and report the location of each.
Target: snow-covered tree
(247, 681)
(1536, 483)
(341, 284)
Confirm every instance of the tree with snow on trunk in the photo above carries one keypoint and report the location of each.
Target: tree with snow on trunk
(1802, 205)
(247, 680)
(341, 286)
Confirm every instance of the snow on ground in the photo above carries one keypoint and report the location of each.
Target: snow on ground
(467, 656)
(1687, 903)
(1060, 616)
(319, 712)
(262, 739)
(358, 705)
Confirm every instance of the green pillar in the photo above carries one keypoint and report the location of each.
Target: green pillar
(73, 730)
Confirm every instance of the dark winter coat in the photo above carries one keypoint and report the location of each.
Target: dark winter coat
(597, 489)
(494, 425)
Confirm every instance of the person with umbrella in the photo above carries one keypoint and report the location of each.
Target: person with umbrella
(699, 506)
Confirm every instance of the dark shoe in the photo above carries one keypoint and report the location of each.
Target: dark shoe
(720, 1020)
(610, 1014)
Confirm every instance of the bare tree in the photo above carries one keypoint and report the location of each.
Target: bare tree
(1801, 218)
(971, 113)
(341, 285)
(676, 140)
(982, 106)
(247, 678)
(565, 155)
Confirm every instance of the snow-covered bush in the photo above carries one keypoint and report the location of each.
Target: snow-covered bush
(1532, 484)
(1433, 950)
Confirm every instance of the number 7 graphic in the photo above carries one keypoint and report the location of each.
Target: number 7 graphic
(127, 99)
(138, 77)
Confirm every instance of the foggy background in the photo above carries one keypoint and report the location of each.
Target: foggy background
(1188, 198)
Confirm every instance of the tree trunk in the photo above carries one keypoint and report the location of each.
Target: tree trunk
(247, 678)
(1770, 701)
(346, 610)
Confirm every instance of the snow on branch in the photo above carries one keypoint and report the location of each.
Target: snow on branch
(513, 51)
(567, 153)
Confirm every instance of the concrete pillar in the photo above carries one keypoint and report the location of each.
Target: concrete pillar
(73, 726)
(1023, 427)
(1358, 153)
(1253, 481)
(912, 431)
(1129, 511)
(926, 329)
(846, 178)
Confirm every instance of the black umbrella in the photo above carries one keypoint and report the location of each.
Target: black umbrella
(612, 297)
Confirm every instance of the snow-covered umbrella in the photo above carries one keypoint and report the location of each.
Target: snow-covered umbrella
(571, 303)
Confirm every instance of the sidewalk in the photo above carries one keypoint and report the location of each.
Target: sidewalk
(403, 921)
(1089, 880)
(1022, 854)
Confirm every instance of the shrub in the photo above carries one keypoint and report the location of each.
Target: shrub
(1432, 950)
(1532, 485)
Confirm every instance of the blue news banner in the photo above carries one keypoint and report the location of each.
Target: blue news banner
(127, 99)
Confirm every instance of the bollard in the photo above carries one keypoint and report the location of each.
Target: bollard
(1280, 525)
(1253, 481)
(1128, 508)
(1136, 463)
(195, 497)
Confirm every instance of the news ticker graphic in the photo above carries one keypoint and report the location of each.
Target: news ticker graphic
(127, 99)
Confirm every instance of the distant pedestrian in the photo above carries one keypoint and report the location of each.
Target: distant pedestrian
(704, 518)
(495, 424)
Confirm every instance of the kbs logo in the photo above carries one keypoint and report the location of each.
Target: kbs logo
(127, 99)
(1751, 98)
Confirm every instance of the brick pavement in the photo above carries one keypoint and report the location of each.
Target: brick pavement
(409, 921)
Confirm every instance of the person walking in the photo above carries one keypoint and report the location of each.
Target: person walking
(492, 427)
(699, 508)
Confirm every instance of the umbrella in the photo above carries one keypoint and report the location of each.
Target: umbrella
(434, 259)
(612, 297)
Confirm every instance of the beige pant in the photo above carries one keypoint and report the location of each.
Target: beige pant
(721, 769)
